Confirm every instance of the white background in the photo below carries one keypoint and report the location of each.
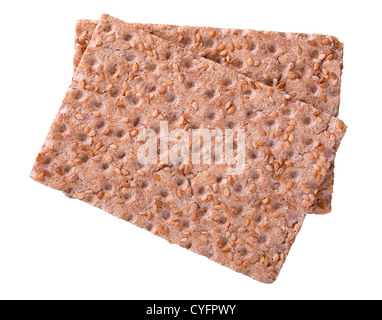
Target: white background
(52, 247)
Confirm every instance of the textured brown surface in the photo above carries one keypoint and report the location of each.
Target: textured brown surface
(288, 45)
(121, 86)
(84, 32)
(308, 67)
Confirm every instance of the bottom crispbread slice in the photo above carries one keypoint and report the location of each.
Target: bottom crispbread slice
(247, 222)
(84, 32)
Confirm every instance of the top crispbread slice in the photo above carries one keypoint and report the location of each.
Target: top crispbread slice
(308, 67)
(90, 152)
(85, 29)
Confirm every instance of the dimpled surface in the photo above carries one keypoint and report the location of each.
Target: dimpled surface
(310, 84)
(125, 85)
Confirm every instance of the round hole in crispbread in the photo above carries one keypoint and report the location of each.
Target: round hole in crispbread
(238, 188)
(91, 60)
(272, 49)
(127, 196)
(128, 216)
(262, 238)
(96, 104)
(237, 63)
(120, 133)
(313, 54)
(311, 87)
(105, 165)
(286, 112)
(127, 36)
(106, 28)
(66, 169)
(171, 97)
(106, 186)
(243, 251)
(221, 219)
(150, 88)
(99, 124)
(164, 193)
(150, 66)
(166, 215)
(143, 184)
(201, 190)
(120, 154)
(82, 137)
(129, 56)
(114, 92)
(189, 84)
(112, 69)
(149, 226)
(187, 41)
(306, 120)
(293, 174)
(84, 157)
(219, 179)
(77, 94)
(211, 115)
(184, 224)
(186, 63)
(134, 99)
(226, 82)
(209, 93)
(208, 43)
(269, 122)
(250, 114)
(247, 92)
(136, 121)
(231, 124)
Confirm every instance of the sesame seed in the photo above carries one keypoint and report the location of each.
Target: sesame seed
(231, 110)
(256, 63)
(325, 41)
(80, 196)
(162, 90)
(135, 67)
(203, 65)
(290, 128)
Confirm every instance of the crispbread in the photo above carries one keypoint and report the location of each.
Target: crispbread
(293, 42)
(91, 148)
(84, 32)
(308, 67)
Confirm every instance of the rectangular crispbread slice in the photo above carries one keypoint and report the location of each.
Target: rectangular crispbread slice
(289, 42)
(308, 67)
(121, 87)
